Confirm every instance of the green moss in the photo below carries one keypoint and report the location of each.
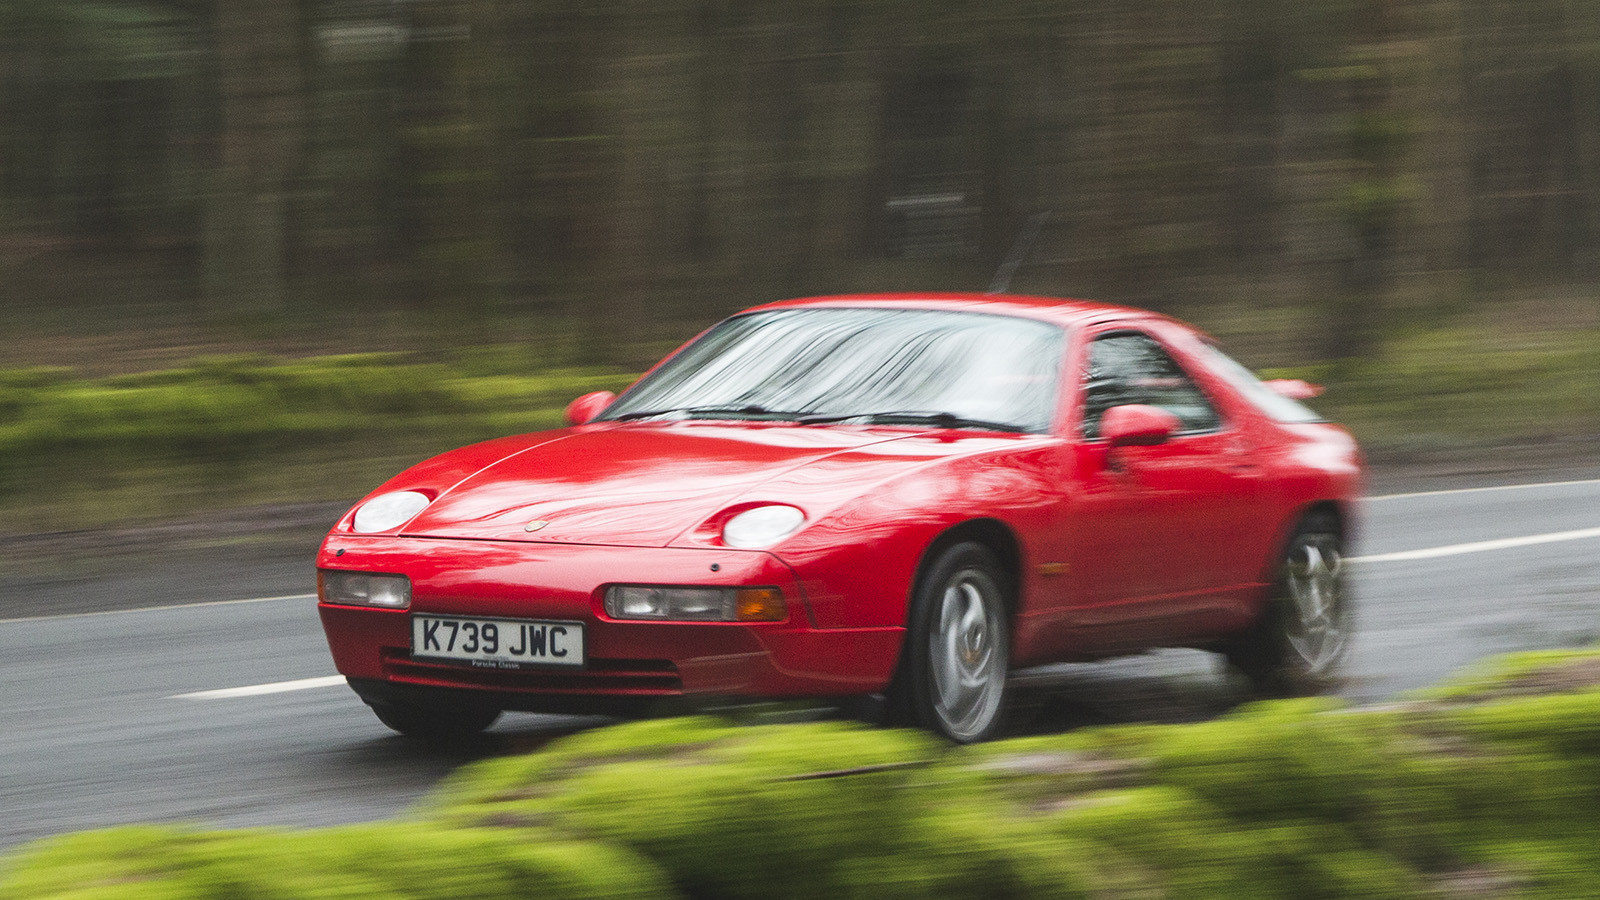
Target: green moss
(126, 864)
(1567, 724)
(1546, 868)
(369, 862)
(1497, 675)
(1321, 766)
(730, 810)
(1176, 838)
(421, 863)
(512, 790)
(742, 814)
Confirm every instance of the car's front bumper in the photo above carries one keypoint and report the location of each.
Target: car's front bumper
(627, 663)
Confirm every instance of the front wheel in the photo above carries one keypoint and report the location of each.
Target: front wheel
(1301, 639)
(952, 678)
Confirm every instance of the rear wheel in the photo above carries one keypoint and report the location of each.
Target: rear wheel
(952, 678)
(437, 724)
(1301, 639)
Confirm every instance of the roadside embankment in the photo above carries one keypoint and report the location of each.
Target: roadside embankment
(1485, 787)
(252, 430)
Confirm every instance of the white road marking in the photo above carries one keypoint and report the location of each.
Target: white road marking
(256, 690)
(140, 609)
(1478, 490)
(1482, 546)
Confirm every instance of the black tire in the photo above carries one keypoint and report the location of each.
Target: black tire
(436, 724)
(952, 675)
(1298, 645)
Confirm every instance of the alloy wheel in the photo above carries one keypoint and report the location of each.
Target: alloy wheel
(1315, 627)
(967, 653)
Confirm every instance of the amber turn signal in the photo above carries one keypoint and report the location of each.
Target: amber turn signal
(762, 605)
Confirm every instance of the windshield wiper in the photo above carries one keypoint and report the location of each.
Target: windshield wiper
(898, 417)
(915, 417)
(709, 411)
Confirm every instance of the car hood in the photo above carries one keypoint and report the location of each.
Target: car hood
(644, 484)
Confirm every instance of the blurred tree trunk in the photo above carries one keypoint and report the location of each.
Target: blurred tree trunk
(258, 47)
(1374, 195)
(1582, 20)
(845, 202)
(451, 121)
(636, 163)
(649, 117)
(1447, 133)
(10, 137)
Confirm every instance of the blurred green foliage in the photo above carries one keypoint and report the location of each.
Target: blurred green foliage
(85, 447)
(370, 862)
(1458, 387)
(1486, 790)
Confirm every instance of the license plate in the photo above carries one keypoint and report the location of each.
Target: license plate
(497, 643)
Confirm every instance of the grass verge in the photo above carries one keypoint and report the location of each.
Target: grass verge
(230, 431)
(1465, 387)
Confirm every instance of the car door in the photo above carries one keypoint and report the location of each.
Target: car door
(1156, 529)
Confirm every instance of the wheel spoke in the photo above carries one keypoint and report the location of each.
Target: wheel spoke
(1314, 587)
(973, 617)
(946, 671)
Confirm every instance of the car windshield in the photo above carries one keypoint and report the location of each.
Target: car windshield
(910, 366)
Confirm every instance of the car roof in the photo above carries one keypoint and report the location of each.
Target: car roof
(1050, 309)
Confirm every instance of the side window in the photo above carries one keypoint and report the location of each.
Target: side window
(1128, 367)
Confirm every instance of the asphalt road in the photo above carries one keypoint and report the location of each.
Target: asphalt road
(226, 714)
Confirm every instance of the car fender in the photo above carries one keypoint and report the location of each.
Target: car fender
(857, 563)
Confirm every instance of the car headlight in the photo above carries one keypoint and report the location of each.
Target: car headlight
(363, 589)
(756, 529)
(695, 604)
(390, 510)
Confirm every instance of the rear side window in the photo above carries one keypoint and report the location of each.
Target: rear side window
(1130, 367)
(1269, 401)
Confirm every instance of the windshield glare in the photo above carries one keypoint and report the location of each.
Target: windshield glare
(856, 361)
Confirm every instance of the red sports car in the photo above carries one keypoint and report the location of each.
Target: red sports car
(904, 495)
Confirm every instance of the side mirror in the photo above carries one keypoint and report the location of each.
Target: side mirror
(583, 410)
(1137, 425)
(1294, 388)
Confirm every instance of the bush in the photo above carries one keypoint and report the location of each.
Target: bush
(731, 811)
(399, 861)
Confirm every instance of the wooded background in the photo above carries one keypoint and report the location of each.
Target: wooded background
(630, 163)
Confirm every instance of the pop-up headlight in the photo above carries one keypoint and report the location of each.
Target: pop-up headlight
(761, 527)
(390, 510)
